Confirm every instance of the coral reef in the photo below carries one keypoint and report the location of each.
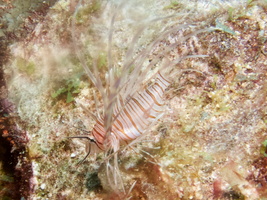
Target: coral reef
(17, 19)
(211, 142)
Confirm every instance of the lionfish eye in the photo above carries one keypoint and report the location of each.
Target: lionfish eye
(92, 140)
(89, 151)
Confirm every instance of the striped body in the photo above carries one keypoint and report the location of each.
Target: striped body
(136, 116)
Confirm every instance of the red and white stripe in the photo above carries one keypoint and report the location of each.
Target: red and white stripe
(136, 116)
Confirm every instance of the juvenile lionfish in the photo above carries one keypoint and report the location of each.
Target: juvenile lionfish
(136, 116)
(132, 119)
(130, 106)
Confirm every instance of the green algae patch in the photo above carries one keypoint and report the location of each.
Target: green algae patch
(68, 90)
(25, 66)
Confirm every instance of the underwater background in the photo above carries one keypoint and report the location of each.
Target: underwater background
(209, 144)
